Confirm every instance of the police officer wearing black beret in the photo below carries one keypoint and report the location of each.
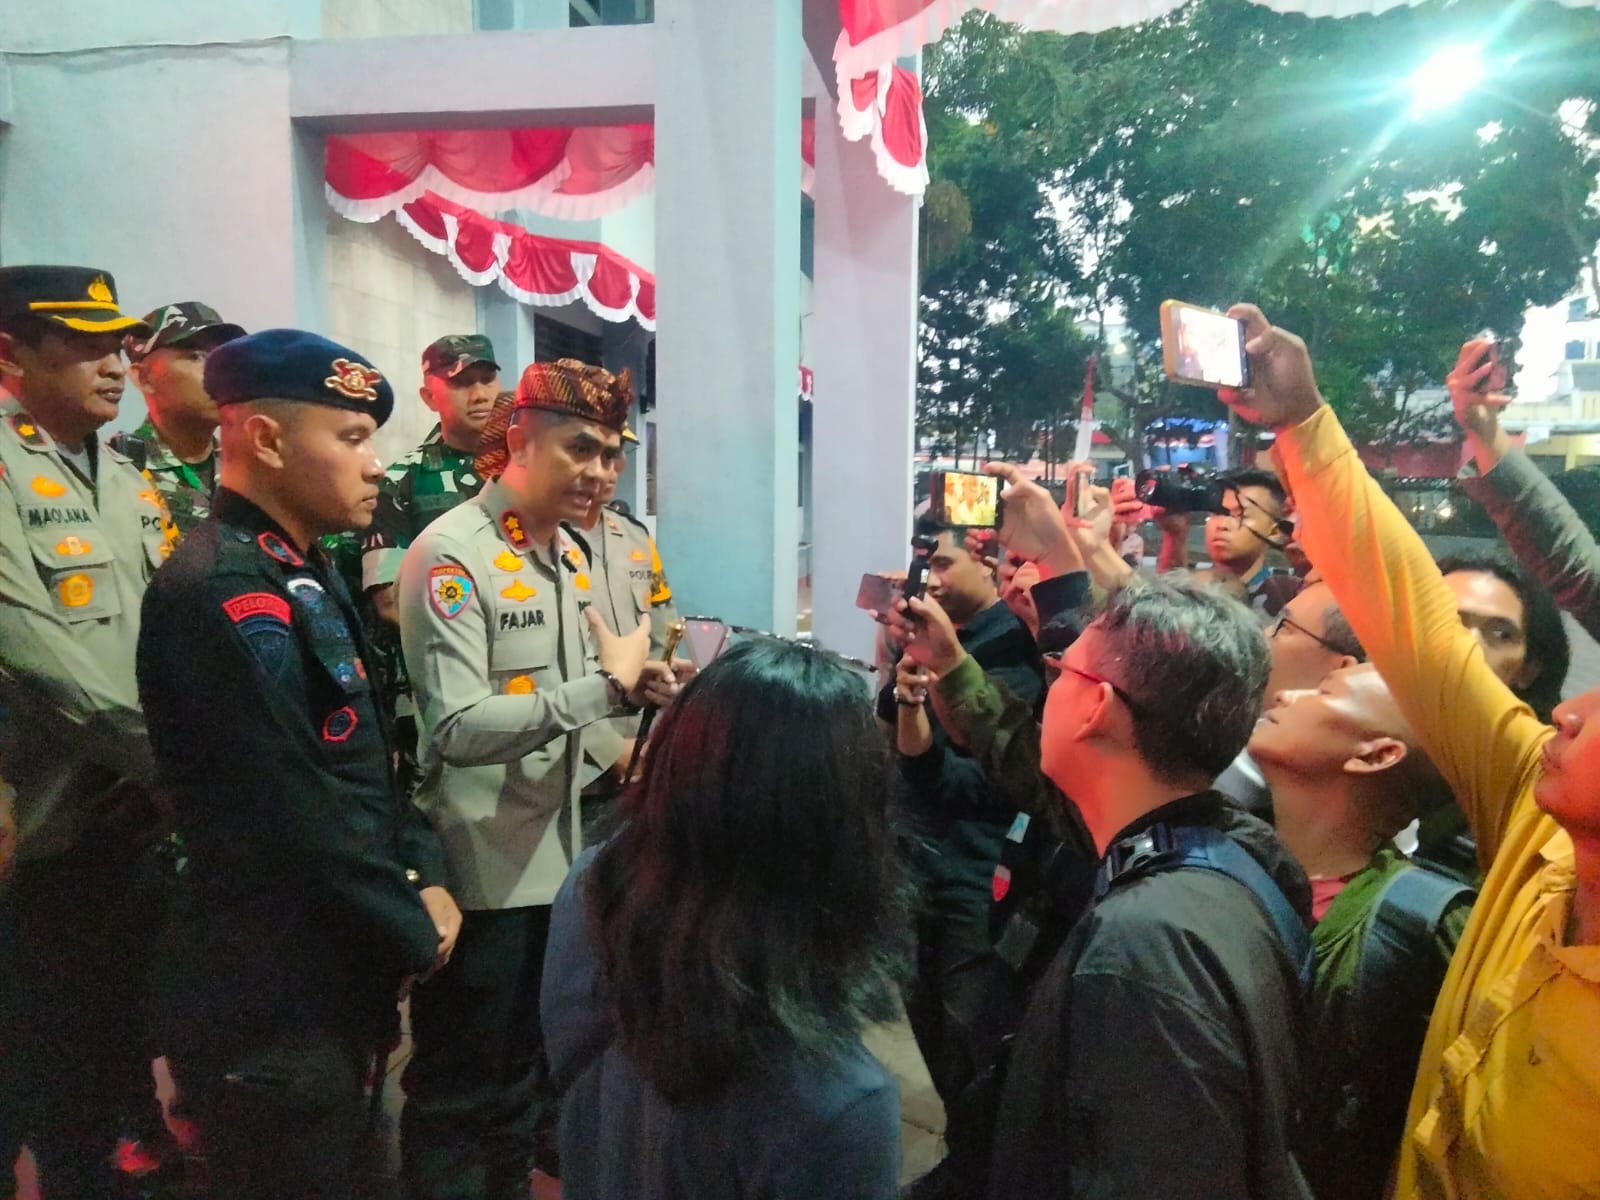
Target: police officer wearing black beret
(311, 891)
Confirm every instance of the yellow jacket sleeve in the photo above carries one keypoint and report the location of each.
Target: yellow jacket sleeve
(1483, 739)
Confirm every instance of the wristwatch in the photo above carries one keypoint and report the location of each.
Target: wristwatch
(616, 694)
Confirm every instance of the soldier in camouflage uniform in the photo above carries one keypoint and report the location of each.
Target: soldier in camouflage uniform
(177, 444)
(460, 380)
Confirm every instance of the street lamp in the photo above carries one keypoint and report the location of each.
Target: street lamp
(1445, 78)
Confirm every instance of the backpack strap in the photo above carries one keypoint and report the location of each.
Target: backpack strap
(1404, 926)
(1165, 847)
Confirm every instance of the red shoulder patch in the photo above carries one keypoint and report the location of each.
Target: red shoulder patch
(280, 549)
(253, 604)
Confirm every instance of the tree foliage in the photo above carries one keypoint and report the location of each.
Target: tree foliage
(1227, 152)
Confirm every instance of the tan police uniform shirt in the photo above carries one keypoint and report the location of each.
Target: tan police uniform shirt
(75, 557)
(505, 677)
(625, 558)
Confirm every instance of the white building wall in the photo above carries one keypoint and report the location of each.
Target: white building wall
(388, 297)
(395, 18)
(115, 160)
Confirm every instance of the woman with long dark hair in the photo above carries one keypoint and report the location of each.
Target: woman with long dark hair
(712, 965)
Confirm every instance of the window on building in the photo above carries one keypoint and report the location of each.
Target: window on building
(553, 339)
(1578, 310)
(611, 12)
(1576, 351)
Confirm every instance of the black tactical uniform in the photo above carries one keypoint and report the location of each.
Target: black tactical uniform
(298, 912)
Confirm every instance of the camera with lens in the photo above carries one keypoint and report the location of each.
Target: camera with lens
(1187, 488)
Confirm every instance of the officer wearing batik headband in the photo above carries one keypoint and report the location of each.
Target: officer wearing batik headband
(511, 681)
(311, 891)
(177, 442)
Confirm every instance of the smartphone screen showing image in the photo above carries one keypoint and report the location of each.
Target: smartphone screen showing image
(707, 639)
(1203, 347)
(966, 498)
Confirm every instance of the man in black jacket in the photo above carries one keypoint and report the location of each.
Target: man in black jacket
(312, 888)
(954, 818)
(1159, 1053)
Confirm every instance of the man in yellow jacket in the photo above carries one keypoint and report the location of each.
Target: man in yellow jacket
(1507, 1097)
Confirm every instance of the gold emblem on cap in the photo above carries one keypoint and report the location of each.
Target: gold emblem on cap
(100, 291)
(353, 380)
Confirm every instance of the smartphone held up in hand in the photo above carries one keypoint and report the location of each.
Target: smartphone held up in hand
(1493, 384)
(707, 639)
(1203, 347)
(967, 498)
(877, 592)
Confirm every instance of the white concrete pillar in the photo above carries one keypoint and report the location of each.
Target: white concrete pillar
(727, 269)
(864, 341)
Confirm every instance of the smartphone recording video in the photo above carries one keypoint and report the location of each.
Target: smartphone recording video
(1493, 384)
(877, 593)
(1078, 498)
(1203, 347)
(966, 498)
(707, 640)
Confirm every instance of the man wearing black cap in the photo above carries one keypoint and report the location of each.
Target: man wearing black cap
(311, 889)
(460, 381)
(511, 687)
(81, 533)
(177, 442)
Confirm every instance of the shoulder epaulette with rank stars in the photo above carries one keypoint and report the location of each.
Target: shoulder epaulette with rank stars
(32, 436)
(618, 514)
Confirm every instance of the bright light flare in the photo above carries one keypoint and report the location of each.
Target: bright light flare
(1444, 79)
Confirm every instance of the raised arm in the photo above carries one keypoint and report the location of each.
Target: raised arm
(1484, 740)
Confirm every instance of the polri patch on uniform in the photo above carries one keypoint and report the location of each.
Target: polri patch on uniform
(449, 589)
(341, 723)
(279, 549)
(515, 533)
(262, 619)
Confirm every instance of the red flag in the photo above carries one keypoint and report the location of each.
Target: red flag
(1080, 449)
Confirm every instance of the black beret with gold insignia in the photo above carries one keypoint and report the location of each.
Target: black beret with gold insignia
(80, 298)
(291, 364)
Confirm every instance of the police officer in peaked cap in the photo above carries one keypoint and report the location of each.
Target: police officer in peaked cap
(81, 534)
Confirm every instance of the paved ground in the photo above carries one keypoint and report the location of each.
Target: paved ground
(920, 1145)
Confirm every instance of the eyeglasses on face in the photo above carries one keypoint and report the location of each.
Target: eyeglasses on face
(1055, 660)
(1286, 620)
